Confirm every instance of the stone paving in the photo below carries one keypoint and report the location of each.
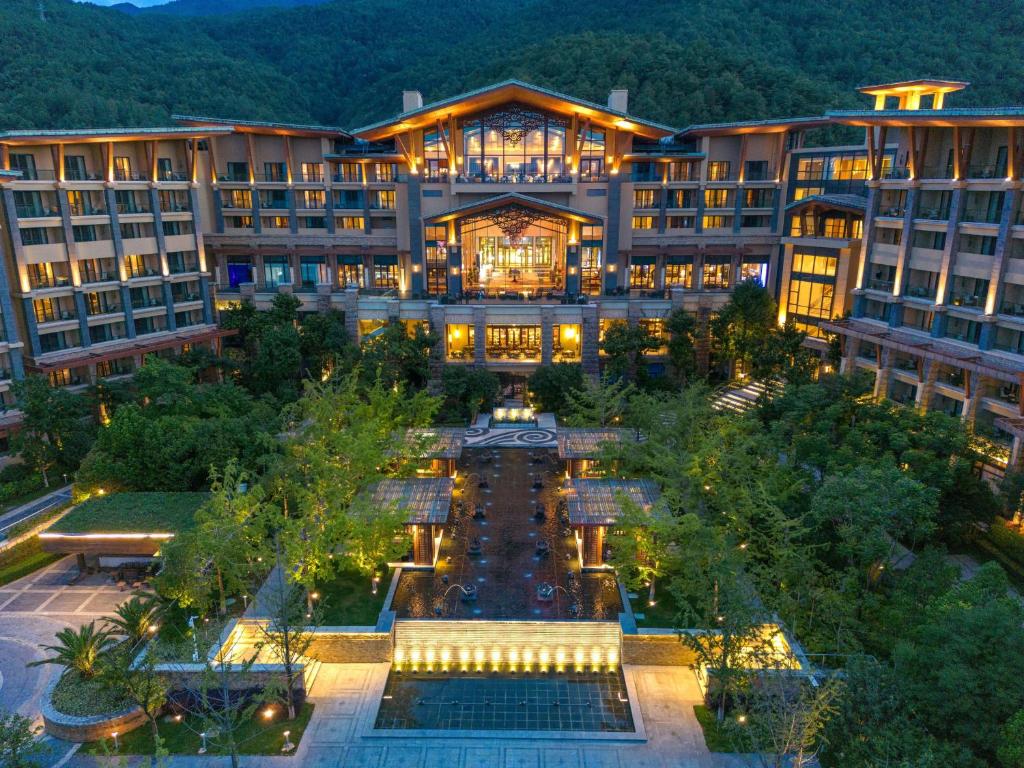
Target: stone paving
(32, 610)
(340, 736)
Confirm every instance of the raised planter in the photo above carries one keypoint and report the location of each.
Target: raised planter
(89, 728)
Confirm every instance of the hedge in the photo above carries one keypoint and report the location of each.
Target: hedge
(1007, 540)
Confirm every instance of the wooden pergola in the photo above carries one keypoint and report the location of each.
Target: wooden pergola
(425, 502)
(594, 505)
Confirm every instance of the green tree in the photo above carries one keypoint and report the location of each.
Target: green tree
(134, 618)
(599, 403)
(56, 430)
(625, 345)
(1011, 742)
(467, 391)
(682, 329)
(325, 344)
(396, 357)
(18, 745)
(78, 650)
(549, 386)
(743, 326)
(131, 670)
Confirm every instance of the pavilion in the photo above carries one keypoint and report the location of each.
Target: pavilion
(581, 448)
(425, 502)
(594, 505)
(441, 448)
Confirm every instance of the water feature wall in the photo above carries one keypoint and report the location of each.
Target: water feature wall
(507, 646)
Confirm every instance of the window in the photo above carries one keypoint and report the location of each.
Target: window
(85, 233)
(680, 275)
(655, 326)
(237, 172)
(435, 154)
(802, 192)
(758, 198)
(74, 168)
(385, 171)
(755, 170)
(513, 342)
(237, 198)
(135, 231)
(273, 199)
(755, 222)
(681, 198)
(312, 171)
(810, 169)
(642, 276)
(716, 198)
(718, 170)
(275, 172)
(313, 199)
(314, 222)
(349, 172)
(680, 222)
(810, 300)
(813, 264)
(45, 310)
(350, 222)
(276, 271)
(385, 276)
(277, 222)
(849, 167)
(681, 170)
(754, 270)
(923, 238)
(644, 198)
(35, 236)
(172, 228)
(643, 222)
(717, 276)
(590, 268)
(122, 168)
(238, 222)
(461, 340)
(312, 271)
(350, 274)
(135, 265)
(164, 168)
(384, 199)
(717, 222)
(347, 199)
(26, 164)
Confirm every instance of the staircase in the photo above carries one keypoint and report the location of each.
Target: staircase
(741, 399)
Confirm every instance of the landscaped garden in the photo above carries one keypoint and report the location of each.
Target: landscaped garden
(349, 600)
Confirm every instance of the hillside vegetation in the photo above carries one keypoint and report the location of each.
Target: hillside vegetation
(346, 62)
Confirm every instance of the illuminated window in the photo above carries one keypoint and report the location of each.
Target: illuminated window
(643, 222)
(313, 199)
(716, 198)
(349, 172)
(754, 270)
(566, 343)
(681, 198)
(385, 275)
(277, 222)
(809, 300)
(122, 168)
(717, 276)
(644, 198)
(642, 276)
(813, 264)
(718, 170)
(655, 326)
(384, 171)
(350, 222)
(679, 275)
(384, 199)
(848, 167)
(801, 192)
(312, 172)
(717, 222)
(810, 169)
(461, 341)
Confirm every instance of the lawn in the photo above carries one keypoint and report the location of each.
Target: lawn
(662, 614)
(254, 737)
(717, 737)
(132, 513)
(23, 559)
(348, 601)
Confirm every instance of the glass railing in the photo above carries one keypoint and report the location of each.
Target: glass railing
(986, 172)
(981, 216)
(522, 178)
(896, 172)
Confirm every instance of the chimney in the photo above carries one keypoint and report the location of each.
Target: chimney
(618, 100)
(411, 100)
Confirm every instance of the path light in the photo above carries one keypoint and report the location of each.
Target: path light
(287, 746)
(117, 746)
(741, 719)
(202, 747)
(268, 713)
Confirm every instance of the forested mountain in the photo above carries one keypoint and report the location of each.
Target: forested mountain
(345, 62)
(216, 7)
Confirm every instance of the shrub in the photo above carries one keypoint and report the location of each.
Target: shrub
(81, 697)
(1007, 540)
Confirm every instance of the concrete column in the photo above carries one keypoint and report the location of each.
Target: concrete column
(547, 325)
(257, 224)
(293, 218)
(480, 335)
(129, 311)
(883, 374)
(572, 270)
(329, 208)
(994, 300)
(972, 382)
(416, 252)
(30, 326)
(172, 323)
(612, 225)
(323, 298)
(589, 347)
(158, 231)
(83, 318)
(455, 284)
(956, 205)
(115, 228)
(204, 293)
(922, 402)
(737, 209)
(218, 210)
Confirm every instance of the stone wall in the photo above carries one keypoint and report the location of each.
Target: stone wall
(81, 729)
(660, 649)
(338, 646)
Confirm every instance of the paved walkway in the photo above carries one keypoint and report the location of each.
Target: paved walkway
(32, 611)
(33, 508)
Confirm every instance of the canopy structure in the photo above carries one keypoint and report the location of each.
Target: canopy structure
(424, 500)
(438, 442)
(599, 501)
(586, 443)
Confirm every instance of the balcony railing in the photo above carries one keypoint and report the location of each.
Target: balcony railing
(130, 208)
(892, 211)
(55, 281)
(986, 171)
(881, 285)
(273, 178)
(522, 178)
(921, 292)
(937, 172)
(1012, 308)
(934, 214)
(173, 176)
(35, 211)
(896, 172)
(129, 176)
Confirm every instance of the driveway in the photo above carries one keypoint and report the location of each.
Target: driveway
(32, 610)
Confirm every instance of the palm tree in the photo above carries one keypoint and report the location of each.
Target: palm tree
(134, 618)
(78, 650)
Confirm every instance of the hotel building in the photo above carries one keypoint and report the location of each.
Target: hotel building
(518, 224)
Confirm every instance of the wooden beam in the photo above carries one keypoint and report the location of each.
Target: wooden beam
(968, 151)
(151, 152)
(444, 140)
(289, 160)
(880, 152)
(741, 172)
(107, 148)
(192, 151)
(579, 140)
(871, 153)
(912, 156)
(250, 152)
(409, 160)
(453, 159)
(211, 143)
(57, 152)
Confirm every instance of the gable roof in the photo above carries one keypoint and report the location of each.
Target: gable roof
(262, 127)
(514, 198)
(504, 92)
(856, 203)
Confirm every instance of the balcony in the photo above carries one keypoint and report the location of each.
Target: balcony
(986, 172)
(937, 172)
(36, 211)
(896, 173)
(981, 216)
(129, 176)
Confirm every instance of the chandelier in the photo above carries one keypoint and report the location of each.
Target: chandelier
(513, 121)
(512, 220)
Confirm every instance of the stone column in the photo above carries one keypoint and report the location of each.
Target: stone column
(572, 270)
(480, 335)
(350, 305)
(972, 385)
(924, 390)
(883, 374)
(323, 298)
(589, 347)
(547, 324)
